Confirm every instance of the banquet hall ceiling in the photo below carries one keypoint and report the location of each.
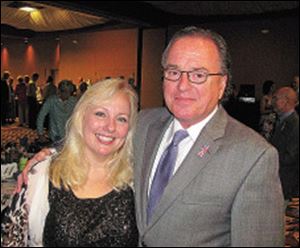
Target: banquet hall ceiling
(45, 18)
(75, 16)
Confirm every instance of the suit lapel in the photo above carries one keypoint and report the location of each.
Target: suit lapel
(200, 154)
(281, 129)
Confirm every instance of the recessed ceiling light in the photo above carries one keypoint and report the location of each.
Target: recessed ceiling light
(28, 9)
(265, 31)
(24, 6)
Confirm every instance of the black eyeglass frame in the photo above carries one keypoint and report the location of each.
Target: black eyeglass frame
(206, 73)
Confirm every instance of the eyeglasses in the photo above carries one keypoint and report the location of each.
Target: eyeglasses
(196, 77)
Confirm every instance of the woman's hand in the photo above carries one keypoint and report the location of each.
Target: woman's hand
(40, 156)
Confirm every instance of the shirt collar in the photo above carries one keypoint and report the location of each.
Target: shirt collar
(283, 116)
(195, 129)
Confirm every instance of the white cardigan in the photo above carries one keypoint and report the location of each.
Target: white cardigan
(37, 200)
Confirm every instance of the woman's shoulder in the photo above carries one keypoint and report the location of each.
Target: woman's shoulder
(40, 167)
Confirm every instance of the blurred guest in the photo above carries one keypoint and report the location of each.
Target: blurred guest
(26, 80)
(295, 86)
(11, 111)
(20, 92)
(32, 100)
(267, 114)
(50, 88)
(82, 88)
(286, 140)
(59, 107)
(4, 96)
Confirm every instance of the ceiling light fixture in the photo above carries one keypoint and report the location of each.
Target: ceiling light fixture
(265, 31)
(27, 9)
(24, 6)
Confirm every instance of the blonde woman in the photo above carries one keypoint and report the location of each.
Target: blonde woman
(83, 196)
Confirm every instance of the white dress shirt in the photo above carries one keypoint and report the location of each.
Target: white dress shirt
(184, 146)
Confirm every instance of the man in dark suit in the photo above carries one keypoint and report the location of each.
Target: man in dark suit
(286, 140)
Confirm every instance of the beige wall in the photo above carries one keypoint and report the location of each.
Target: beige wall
(256, 56)
(98, 55)
(20, 58)
(90, 55)
(151, 88)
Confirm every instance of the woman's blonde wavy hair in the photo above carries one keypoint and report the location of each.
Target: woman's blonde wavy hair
(68, 167)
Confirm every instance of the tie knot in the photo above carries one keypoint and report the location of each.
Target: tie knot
(179, 136)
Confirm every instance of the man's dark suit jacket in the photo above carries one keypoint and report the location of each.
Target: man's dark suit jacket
(286, 140)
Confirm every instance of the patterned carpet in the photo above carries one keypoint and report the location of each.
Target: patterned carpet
(13, 133)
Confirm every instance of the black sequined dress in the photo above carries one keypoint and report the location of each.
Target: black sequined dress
(107, 221)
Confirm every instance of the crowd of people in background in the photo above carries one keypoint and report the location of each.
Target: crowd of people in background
(44, 107)
(23, 98)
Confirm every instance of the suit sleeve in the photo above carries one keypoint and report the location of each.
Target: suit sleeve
(290, 155)
(257, 218)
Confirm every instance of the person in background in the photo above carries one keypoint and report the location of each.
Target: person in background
(74, 89)
(82, 196)
(20, 92)
(286, 140)
(50, 88)
(26, 80)
(59, 107)
(39, 95)
(32, 100)
(4, 96)
(11, 111)
(82, 88)
(267, 114)
(295, 86)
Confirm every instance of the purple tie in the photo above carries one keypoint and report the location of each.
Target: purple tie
(164, 171)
